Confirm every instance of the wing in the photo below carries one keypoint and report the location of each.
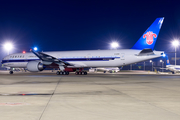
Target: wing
(47, 58)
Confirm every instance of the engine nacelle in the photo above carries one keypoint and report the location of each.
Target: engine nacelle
(35, 66)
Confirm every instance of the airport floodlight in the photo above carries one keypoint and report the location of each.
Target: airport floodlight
(8, 46)
(162, 64)
(35, 48)
(144, 65)
(175, 44)
(164, 55)
(114, 45)
(152, 64)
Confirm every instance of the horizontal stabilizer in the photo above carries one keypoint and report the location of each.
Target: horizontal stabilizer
(164, 68)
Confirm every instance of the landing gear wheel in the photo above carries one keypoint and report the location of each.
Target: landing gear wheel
(10, 72)
(173, 72)
(67, 73)
(81, 73)
(61, 73)
(64, 73)
(85, 73)
(57, 73)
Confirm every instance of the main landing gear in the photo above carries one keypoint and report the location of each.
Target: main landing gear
(62, 73)
(67, 73)
(81, 73)
(77, 72)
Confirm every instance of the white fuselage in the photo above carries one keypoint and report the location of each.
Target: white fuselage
(88, 58)
(173, 68)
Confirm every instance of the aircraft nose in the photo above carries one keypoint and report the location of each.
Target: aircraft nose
(2, 61)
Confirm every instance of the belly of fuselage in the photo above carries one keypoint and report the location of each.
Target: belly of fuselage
(15, 64)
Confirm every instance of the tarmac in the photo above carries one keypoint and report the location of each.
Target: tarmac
(96, 96)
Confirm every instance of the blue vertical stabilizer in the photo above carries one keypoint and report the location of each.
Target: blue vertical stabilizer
(148, 39)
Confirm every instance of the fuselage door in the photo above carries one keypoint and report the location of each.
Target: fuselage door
(122, 56)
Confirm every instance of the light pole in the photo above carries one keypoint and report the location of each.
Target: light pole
(8, 46)
(162, 64)
(175, 44)
(152, 64)
(130, 66)
(144, 66)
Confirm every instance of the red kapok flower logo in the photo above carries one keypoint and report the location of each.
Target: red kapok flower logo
(149, 37)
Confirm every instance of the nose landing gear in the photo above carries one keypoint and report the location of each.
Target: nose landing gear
(10, 72)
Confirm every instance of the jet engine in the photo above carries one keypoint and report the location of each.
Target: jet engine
(35, 66)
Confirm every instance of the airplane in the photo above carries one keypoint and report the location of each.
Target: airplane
(76, 61)
(173, 68)
(111, 69)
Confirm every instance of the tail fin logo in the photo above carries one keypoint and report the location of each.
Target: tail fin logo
(149, 37)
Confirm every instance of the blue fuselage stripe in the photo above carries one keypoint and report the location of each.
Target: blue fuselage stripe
(64, 59)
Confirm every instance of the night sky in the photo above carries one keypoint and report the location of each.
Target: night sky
(85, 24)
